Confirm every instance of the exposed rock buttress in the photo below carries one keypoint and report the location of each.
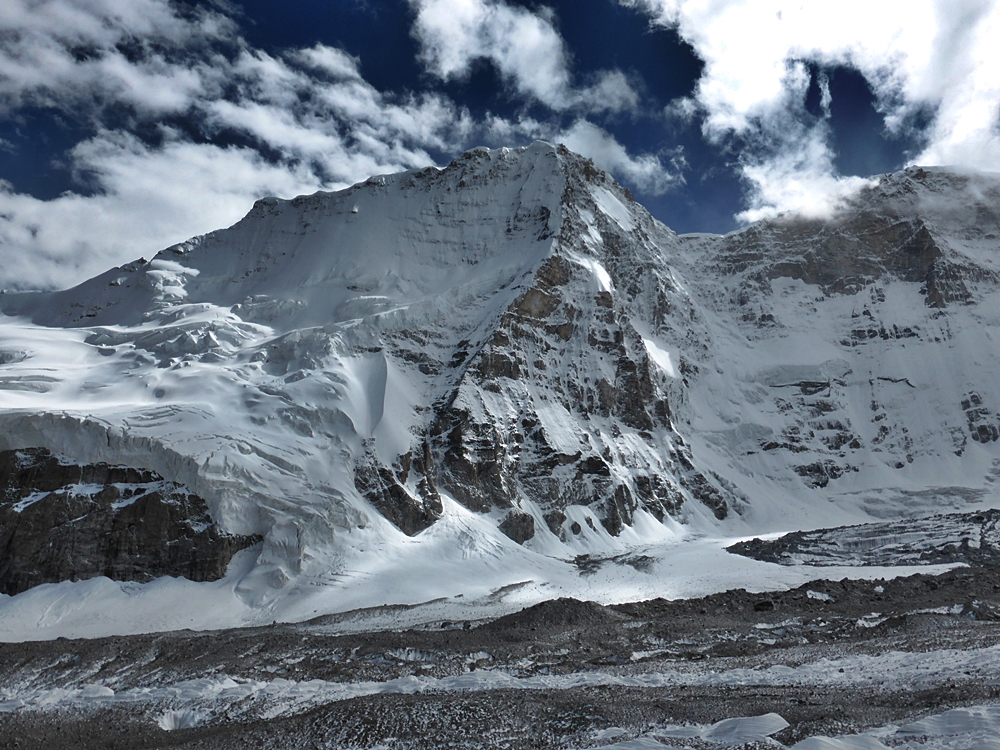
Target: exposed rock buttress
(62, 521)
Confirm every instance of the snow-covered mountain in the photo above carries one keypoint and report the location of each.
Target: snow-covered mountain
(859, 352)
(511, 351)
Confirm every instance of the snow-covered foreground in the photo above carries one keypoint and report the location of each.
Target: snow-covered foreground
(879, 659)
(452, 575)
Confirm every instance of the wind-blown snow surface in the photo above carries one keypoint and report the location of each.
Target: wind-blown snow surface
(435, 350)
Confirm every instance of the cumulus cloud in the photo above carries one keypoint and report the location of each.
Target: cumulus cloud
(523, 45)
(798, 176)
(647, 172)
(61, 53)
(339, 123)
(307, 120)
(151, 198)
(936, 55)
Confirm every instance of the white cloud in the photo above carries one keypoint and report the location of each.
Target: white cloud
(646, 172)
(344, 125)
(524, 46)
(58, 53)
(797, 178)
(318, 122)
(917, 54)
(334, 62)
(963, 79)
(151, 198)
(611, 91)
(306, 120)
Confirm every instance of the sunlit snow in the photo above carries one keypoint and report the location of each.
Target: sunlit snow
(251, 366)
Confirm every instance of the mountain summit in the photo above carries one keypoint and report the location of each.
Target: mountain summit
(515, 349)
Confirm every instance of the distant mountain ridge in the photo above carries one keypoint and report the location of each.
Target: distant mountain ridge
(515, 334)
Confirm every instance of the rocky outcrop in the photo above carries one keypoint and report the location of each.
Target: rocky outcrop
(846, 255)
(386, 490)
(983, 424)
(965, 538)
(518, 526)
(560, 401)
(63, 521)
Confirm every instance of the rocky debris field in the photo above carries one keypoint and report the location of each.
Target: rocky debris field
(966, 538)
(830, 658)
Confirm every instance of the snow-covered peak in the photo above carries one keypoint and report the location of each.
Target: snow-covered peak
(953, 183)
(508, 361)
(359, 360)
(390, 242)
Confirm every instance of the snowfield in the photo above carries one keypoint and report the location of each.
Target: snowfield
(447, 578)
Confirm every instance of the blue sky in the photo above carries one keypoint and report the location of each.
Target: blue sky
(127, 125)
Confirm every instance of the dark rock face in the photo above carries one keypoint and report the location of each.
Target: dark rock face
(561, 387)
(518, 526)
(982, 423)
(848, 254)
(387, 492)
(555, 520)
(62, 521)
(475, 465)
(880, 235)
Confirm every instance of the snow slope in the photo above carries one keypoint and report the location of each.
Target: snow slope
(398, 383)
